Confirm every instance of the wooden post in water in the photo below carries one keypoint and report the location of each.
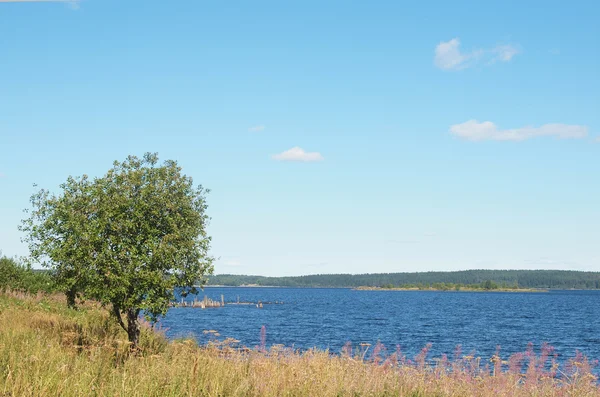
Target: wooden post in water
(222, 300)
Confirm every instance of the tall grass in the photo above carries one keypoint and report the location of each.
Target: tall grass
(47, 349)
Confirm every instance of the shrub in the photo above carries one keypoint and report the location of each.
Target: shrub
(14, 275)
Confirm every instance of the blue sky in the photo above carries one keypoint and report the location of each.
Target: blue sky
(335, 136)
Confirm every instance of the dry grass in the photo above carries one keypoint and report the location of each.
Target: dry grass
(49, 350)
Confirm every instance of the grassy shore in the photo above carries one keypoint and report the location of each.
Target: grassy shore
(47, 349)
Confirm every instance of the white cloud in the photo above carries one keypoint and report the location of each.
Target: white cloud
(448, 55)
(256, 128)
(473, 130)
(298, 154)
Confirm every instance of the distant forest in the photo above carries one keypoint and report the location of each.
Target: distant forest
(554, 279)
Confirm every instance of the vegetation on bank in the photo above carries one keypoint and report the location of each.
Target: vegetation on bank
(14, 274)
(544, 279)
(487, 285)
(48, 349)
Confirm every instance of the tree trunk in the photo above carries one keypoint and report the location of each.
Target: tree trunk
(133, 327)
(71, 294)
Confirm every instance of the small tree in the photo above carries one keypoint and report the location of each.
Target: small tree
(489, 285)
(127, 239)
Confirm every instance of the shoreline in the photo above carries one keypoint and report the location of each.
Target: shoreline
(88, 342)
(466, 289)
(366, 288)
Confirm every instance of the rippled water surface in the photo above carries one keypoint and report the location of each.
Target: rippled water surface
(328, 318)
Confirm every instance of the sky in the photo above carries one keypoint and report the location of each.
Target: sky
(335, 136)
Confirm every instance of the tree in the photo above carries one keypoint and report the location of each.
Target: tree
(127, 239)
(489, 284)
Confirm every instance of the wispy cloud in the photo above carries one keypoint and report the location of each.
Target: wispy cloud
(298, 154)
(257, 128)
(503, 53)
(473, 130)
(448, 55)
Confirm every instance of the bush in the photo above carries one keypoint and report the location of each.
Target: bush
(14, 275)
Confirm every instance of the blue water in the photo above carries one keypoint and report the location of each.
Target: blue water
(328, 318)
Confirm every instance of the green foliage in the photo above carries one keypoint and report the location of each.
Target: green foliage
(17, 276)
(126, 239)
(489, 285)
(557, 279)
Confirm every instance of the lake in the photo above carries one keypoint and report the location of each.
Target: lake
(328, 318)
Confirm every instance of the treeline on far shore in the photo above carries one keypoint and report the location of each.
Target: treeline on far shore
(487, 285)
(16, 275)
(544, 279)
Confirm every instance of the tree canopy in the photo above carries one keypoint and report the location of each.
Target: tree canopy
(126, 239)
